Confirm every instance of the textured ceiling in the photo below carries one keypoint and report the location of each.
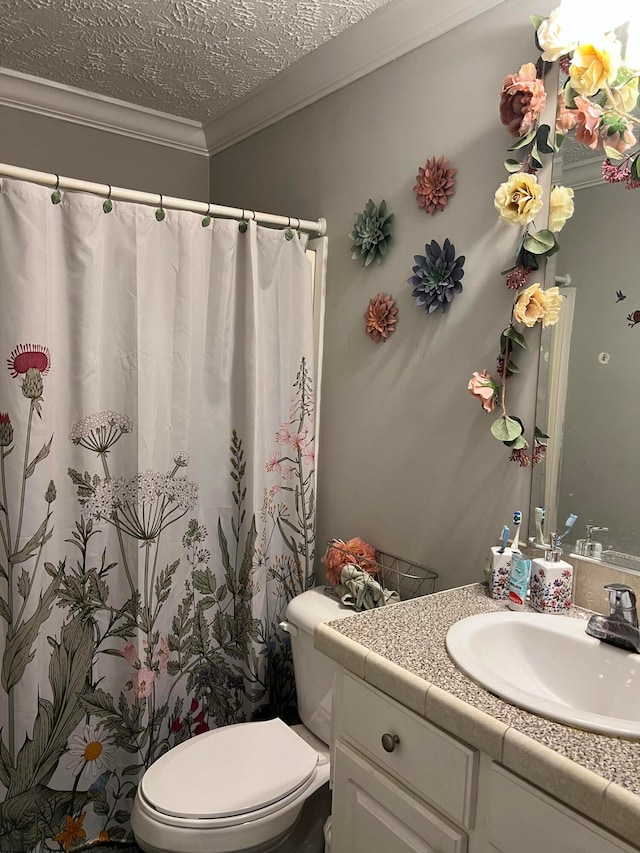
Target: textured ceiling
(189, 58)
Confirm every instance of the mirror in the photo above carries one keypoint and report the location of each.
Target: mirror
(589, 391)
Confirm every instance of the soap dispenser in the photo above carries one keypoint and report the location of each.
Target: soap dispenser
(587, 547)
(551, 580)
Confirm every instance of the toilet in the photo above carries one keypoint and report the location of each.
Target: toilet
(242, 787)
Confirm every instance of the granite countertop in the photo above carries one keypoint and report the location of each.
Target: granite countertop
(400, 649)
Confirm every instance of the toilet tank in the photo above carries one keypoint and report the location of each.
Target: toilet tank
(314, 672)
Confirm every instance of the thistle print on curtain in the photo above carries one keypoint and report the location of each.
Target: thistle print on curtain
(156, 498)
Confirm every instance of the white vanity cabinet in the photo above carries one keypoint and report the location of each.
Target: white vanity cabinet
(384, 800)
(403, 785)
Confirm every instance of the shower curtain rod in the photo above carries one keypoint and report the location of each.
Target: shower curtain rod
(156, 200)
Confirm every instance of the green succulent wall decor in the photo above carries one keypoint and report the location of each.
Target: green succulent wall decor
(371, 233)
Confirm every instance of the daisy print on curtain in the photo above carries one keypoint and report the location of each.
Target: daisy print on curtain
(144, 655)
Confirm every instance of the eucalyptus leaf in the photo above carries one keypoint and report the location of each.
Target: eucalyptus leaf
(536, 20)
(518, 443)
(506, 428)
(512, 367)
(559, 140)
(570, 96)
(512, 165)
(536, 160)
(523, 141)
(542, 139)
(612, 153)
(540, 243)
(516, 337)
(635, 167)
(540, 434)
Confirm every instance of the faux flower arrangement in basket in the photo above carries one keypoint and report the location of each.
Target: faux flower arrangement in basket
(598, 96)
(365, 578)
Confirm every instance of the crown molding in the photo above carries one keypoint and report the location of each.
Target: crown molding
(582, 175)
(33, 94)
(388, 33)
(393, 30)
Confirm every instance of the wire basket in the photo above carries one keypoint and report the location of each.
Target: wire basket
(408, 579)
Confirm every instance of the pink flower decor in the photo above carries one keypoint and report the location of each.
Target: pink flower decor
(588, 120)
(483, 386)
(274, 462)
(381, 317)
(565, 118)
(29, 357)
(283, 435)
(620, 140)
(143, 682)
(434, 184)
(354, 551)
(522, 100)
(130, 654)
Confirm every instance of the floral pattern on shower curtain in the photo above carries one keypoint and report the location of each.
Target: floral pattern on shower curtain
(156, 497)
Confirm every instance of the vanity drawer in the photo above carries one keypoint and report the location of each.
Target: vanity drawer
(524, 820)
(438, 768)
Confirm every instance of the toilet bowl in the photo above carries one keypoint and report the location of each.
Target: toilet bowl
(242, 787)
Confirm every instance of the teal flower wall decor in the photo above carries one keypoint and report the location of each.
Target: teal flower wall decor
(437, 276)
(371, 233)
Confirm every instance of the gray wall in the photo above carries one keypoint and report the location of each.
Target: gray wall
(406, 457)
(61, 147)
(599, 478)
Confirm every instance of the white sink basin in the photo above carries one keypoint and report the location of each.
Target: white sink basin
(548, 665)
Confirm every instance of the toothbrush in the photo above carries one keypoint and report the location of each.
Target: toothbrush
(539, 520)
(505, 539)
(517, 520)
(569, 524)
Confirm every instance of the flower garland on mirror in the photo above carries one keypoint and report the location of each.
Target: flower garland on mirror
(371, 233)
(596, 103)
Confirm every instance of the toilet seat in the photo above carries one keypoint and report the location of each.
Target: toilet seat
(265, 765)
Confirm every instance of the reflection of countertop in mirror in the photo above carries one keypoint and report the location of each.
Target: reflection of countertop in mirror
(400, 650)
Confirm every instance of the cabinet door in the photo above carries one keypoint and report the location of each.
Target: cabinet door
(374, 814)
(524, 820)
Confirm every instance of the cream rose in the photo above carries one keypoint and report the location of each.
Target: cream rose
(552, 305)
(595, 66)
(626, 97)
(519, 199)
(560, 207)
(535, 304)
(529, 307)
(556, 36)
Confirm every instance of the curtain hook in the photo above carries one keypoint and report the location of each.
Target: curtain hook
(108, 204)
(56, 195)
(243, 224)
(160, 214)
(207, 218)
(298, 228)
(288, 232)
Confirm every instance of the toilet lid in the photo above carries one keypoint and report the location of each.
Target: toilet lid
(229, 771)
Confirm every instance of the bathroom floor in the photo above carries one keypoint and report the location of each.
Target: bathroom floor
(308, 834)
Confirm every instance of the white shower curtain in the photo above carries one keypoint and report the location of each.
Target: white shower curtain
(156, 495)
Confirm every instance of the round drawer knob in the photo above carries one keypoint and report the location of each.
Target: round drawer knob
(389, 742)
